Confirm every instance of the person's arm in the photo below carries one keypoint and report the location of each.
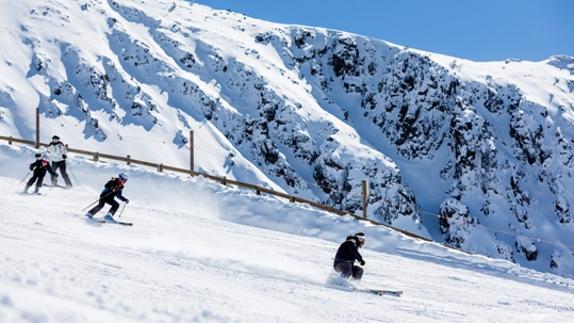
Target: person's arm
(33, 165)
(121, 197)
(50, 149)
(64, 151)
(355, 252)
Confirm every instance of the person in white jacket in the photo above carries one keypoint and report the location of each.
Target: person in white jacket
(58, 154)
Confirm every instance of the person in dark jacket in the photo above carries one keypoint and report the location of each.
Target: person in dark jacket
(39, 167)
(58, 154)
(346, 255)
(112, 189)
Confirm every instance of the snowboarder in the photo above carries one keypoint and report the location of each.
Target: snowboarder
(112, 189)
(347, 254)
(58, 154)
(39, 167)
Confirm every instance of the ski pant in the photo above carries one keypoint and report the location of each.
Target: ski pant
(347, 269)
(39, 179)
(62, 166)
(103, 200)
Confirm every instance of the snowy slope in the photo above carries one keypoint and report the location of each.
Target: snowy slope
(477, 155)
(201, 253)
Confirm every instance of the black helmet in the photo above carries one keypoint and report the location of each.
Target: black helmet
(55, 137)
(360, 238)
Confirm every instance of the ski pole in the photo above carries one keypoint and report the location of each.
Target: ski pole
(91, 204)
(122, 210)
(74, 176)
(23, 179)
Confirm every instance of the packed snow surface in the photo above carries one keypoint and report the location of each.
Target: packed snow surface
(199, 252)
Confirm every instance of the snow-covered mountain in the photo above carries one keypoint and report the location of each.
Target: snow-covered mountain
(478, 155)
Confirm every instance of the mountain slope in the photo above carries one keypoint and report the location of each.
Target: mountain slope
(478, 155)
(202, 253)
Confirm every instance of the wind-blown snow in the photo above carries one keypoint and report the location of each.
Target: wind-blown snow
(476, 155)
(199, 252)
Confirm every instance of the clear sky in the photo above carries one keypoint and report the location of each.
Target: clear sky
(475, 29)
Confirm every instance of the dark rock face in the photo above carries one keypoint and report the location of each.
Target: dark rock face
(425, 112)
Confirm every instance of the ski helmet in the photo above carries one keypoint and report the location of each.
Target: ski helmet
(360, 237)
(123, 177)
(55, 137)
(38, 155)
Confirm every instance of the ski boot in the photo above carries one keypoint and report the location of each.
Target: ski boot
(109, 218)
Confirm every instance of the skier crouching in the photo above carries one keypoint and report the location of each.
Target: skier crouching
(112, 189)
(347, 254)
(39, 167)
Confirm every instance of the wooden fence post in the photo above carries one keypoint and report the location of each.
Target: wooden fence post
(37, 143)
(224, 180)
(96, 156)
(160, 168)
(128, 160)
(10, 140)
(191, 154)
(365, 197)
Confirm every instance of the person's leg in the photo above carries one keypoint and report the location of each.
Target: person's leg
(344, 268)
(98, 207)
(357, 272)
(39, 184)
(115, 205)
(55, 167)
(30, 183)
(64, 173)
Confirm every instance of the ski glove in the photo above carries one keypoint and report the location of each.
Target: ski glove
(127, 201)
(64, 156)
(362, 262)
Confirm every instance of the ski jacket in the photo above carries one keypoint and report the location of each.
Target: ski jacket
(113, 188)
(348, 252)
(40, 167)
(57, 151)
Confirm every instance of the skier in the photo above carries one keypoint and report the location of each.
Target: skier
(112, 189)
(347, 254)
(40, 167)
(58, 154)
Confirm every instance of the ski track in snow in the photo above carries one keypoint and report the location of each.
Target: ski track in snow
(221, 256)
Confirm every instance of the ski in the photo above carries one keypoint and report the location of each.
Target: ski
(95, 220)
(382, 292)
(102, 221)
(58, 186)
(32, 193)
(129, 224)
(114, 221)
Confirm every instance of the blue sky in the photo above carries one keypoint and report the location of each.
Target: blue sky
(475, 29)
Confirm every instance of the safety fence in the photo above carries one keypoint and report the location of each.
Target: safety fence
(97, 156)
